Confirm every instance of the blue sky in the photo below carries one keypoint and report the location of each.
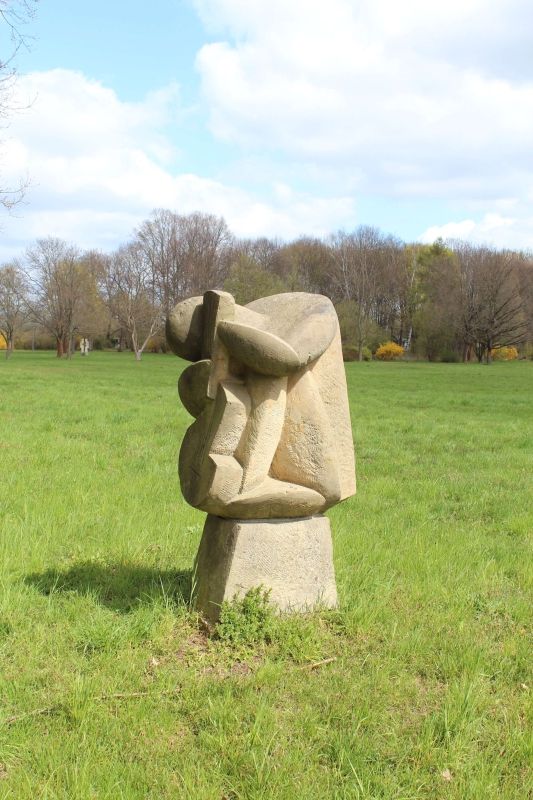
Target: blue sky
(133, 47)
(287, 117)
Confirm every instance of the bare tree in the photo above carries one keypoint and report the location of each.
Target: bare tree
(14, 15)
(502, 320)
(13, 303)
(159, 238)
(263, 251)
(206, 246)
(492, 311)
(92, 315)
(56, 289)
(357, 257)
(525, 278)
(306, 265)
(129, 294)
(186, 254)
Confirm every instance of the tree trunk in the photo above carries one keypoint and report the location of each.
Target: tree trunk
(360, 337)
(59, 347)
(135, 347)
(10, 344)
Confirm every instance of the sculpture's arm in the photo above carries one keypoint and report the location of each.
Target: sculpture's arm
(259, 350)
(292, 341)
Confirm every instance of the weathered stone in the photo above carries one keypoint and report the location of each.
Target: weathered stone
(271, 440)
(261, 351)
(271, 395)
(192, 386)
(290, 557)
(184, 328)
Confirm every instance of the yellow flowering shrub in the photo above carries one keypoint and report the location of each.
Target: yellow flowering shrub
(504, 353)
(389, 351)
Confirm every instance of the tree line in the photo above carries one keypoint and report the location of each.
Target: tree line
(446, 301)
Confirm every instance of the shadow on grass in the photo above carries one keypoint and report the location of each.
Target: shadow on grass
(119, 586)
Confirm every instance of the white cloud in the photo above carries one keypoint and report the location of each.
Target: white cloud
(493, 228)
(425, 102)
(98, 166)
(415, 98)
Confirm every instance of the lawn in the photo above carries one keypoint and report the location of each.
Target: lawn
(417, 687)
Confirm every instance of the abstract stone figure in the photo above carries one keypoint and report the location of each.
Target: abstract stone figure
(271, 446)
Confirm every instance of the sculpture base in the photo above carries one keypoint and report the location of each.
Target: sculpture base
(293, 558)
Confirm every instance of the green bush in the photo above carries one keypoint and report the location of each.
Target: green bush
(157, 344)
(41, 341)
(449, 357)
(248, 281)
(349, 353)
(246, 620)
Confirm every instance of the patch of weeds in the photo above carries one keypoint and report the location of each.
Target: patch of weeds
(247, 620)
(252, 620)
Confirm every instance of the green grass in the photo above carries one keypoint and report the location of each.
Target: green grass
(428, 694)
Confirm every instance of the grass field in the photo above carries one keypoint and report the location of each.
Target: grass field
(109, 689)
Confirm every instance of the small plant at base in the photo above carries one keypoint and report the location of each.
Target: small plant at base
(246, 620)
(389, 351)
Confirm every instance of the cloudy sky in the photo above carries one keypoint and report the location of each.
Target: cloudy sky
(287, 117)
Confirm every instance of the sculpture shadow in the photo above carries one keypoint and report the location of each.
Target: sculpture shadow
(118, 586)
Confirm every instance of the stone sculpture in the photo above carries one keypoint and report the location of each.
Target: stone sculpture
(271, 446)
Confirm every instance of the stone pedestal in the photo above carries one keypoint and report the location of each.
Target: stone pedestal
(291, 557)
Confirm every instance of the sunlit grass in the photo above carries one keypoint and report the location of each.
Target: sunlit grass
(427, 686)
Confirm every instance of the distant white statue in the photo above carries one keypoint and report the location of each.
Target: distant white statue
(84, 347)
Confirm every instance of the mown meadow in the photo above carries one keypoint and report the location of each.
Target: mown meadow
(417, 688)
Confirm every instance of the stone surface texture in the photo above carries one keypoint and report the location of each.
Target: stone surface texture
(292, 558)
(271, 438)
